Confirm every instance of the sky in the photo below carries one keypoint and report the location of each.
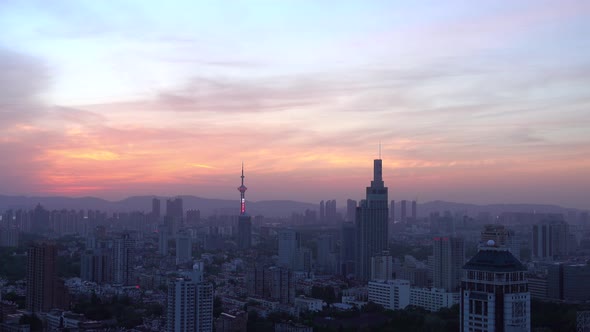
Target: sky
(472, 101)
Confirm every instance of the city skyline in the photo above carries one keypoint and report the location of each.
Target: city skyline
(477, 103)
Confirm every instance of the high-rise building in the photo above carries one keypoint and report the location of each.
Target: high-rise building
(347, 248)
(382, 266)
(271, 282)
(280, 284)
(193, 217)
(322, 212)
(414, 211)
(244, 220)
(494, 292)
(550, 239)
(41, 278)
(174, 215)
(392, 210)
(449, 257)
(502, 237)
(350, 210)
(372, 215)
(156, 208)
(568, 282)
(289, 247)
(96, 266)
(184, 248)
(330, 210)
(404, 216)
(190, 303)
(325, 246)
(163, 240)
(123, 250)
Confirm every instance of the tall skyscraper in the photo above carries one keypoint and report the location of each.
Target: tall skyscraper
(289, 248)
(550, 239)
(449, 257)
(330, 210)
(404, 216)
(184, 248)
(347, 248)
(414, 211)
(322, 212)
(244, 220)
(41, 278)
(123, 249)
(174, 214)
(350, 210)
(156, 208)
(371, 223)
(190, 303)
(392, 210)
(96, 266)
(163, 240)
(382, 266)
(494, 292)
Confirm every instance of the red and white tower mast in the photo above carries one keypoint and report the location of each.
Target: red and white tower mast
(242, 189)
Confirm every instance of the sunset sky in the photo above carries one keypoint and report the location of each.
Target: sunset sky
(473, 101)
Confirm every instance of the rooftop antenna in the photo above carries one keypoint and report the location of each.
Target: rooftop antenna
(379, 149)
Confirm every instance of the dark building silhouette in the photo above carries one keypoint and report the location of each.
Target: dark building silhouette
(44, 290)
(123, 254)
(347, 248)
(372, 217)
(156, 208)
(193, 217)
(404, 216)
(331, 215)
(40, 222)
(322, 212)
(350, 210)
(174, 214)
(448, 259)
(244, 220)
(414, 211)
(392, 210)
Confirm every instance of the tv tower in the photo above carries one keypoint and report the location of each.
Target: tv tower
(244, 220)
(242, 189)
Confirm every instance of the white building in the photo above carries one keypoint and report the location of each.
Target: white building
(433, 299)
(303, 303)
(495, 293)
(190, 303)
(391, 294)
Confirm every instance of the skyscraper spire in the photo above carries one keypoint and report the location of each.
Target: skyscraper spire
(242, 189)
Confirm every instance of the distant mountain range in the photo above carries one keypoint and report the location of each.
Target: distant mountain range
(208, 206)
(269, 208)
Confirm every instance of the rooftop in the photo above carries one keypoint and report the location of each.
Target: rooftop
(494, 260)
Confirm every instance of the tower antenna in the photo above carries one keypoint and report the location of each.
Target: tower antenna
(242, 189)
(379, 149)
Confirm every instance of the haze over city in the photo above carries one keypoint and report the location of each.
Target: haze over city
(479, 102)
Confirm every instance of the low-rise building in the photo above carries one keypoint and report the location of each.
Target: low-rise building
(433, 299)
(303, 303)
(391, 294)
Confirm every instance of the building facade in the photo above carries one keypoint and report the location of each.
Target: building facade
(494, 293)
(391, 294)
(372, 217)
(448, 259)
(190, 303)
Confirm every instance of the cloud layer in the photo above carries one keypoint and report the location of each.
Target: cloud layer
(474, 116)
